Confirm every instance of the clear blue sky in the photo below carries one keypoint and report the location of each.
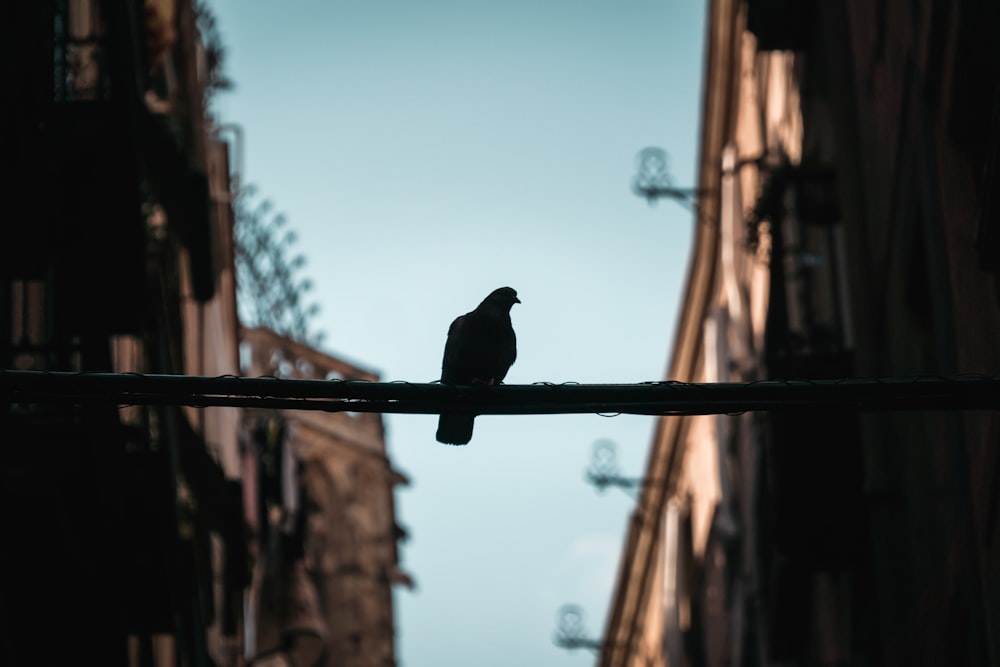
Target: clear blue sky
(427, 153)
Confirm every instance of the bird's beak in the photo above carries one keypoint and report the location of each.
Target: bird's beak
(516, 300)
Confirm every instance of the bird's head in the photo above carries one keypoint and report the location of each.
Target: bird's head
(504, 297)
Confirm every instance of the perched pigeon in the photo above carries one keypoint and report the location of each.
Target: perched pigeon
(480, 349)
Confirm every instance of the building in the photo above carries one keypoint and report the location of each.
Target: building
(125, 542)
(321, 512)
(847, 227)
(137, 535)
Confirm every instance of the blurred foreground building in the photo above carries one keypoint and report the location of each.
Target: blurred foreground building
(850, 164)
(148, 535)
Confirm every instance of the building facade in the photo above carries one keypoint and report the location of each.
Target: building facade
(321, 511)
(846, 228)
(115, 259)
(134, 534)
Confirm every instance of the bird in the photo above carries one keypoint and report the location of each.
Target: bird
(480, 349)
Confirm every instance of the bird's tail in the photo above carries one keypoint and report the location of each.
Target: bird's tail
(455, 429)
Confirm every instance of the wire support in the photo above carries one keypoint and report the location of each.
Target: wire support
(965, 392)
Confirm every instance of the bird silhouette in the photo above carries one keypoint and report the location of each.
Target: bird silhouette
(480, 349)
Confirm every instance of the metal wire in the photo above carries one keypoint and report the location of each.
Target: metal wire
(968, 392)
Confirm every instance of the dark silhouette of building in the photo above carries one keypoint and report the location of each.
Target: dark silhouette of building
(129, 534)
(847, 227)
(114, 259)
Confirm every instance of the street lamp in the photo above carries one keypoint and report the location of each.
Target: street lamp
(571, 634)
(603, 470)
(653, 180)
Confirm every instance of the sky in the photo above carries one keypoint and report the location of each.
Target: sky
(427, 153)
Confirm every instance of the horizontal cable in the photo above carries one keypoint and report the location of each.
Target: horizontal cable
(971, 392)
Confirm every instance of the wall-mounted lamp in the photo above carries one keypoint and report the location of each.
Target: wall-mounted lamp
(653, 180)
(571, 634)
(603, 470)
